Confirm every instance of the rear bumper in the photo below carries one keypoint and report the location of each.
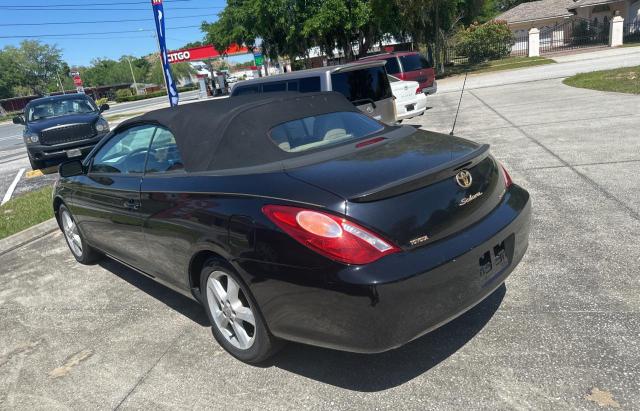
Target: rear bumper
(419, 107)
(432, 89)
(384, 305)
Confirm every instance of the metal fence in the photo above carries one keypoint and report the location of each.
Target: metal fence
(631, 32)
(573, 34)
(456, 53)
(520, 45)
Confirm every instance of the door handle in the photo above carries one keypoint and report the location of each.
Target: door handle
(132, 204)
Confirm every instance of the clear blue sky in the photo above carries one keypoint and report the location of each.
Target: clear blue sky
(83, 45)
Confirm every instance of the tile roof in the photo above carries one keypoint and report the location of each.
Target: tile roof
(538, 10)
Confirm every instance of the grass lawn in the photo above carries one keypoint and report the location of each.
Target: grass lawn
(622, 80)
(508, 63)
(25, 211)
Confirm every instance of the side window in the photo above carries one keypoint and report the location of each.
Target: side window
(309, 84)
(274, 86)
(124, 153)
(164, 156)
(292, 85)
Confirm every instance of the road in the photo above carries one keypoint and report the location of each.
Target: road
(562, 334)
(13, 155)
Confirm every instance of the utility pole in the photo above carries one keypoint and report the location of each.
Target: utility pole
(60, 82)
(135, 84)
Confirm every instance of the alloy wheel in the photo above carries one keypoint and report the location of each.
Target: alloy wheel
(231, 311)
(71, 233)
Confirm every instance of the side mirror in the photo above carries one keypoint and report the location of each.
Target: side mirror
(104, 107)
(18, 120)
(71, 168)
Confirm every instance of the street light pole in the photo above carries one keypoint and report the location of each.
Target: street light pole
(135, 84)
(166, 86)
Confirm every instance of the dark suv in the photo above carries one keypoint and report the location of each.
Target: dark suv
(61, 127)
(409, 66)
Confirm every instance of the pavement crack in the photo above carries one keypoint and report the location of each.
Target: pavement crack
(144, 376)
(634, 214)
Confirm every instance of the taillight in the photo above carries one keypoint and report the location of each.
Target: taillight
(334, 237)
(419, 90)
(507, 178)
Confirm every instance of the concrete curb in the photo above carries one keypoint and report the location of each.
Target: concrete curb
(26, 236)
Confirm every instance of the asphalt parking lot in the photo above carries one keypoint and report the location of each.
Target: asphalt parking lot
(564, 333)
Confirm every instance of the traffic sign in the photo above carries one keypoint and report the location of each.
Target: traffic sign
(259, 59)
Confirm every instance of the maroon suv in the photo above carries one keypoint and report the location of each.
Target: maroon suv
(409, 66)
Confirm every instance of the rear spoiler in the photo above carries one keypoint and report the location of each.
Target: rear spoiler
(424, 178)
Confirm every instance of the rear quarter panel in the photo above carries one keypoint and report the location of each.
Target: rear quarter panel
(187, 213)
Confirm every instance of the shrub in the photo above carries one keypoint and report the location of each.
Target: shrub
(140, 96)
(101, 101)
(583, 32)
(190, 87)
(481, 42)
(123, 93)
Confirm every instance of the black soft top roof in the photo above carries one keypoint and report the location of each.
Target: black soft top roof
(233, 132)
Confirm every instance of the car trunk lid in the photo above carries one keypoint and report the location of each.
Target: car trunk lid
(411, 189)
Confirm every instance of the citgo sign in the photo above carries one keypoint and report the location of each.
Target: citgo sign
(178, 56)
(202, 53)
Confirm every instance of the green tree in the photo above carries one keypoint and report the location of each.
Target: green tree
(193, 44)
(290, 27)
(40, 64)
(156, 76)
(11, 74)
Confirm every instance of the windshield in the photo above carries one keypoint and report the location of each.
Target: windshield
(323, 130)
(57, 108)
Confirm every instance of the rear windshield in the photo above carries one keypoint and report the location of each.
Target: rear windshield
(413, 62)
(362, 86)
(392, 65)
(323, 130)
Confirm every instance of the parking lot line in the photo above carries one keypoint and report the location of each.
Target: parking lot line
(9, 193)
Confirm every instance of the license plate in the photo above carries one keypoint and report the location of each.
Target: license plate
(74, 153)
(493, 261)
(410, 107)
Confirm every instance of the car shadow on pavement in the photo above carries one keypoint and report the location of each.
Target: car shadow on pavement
(377, 372)
(174, 300)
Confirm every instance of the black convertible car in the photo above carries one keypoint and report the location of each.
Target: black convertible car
(296, 217)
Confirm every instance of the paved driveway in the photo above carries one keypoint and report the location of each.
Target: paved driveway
(562, 334)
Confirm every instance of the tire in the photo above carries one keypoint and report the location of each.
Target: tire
(83, 252)
(35, 164)
(250, 343)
